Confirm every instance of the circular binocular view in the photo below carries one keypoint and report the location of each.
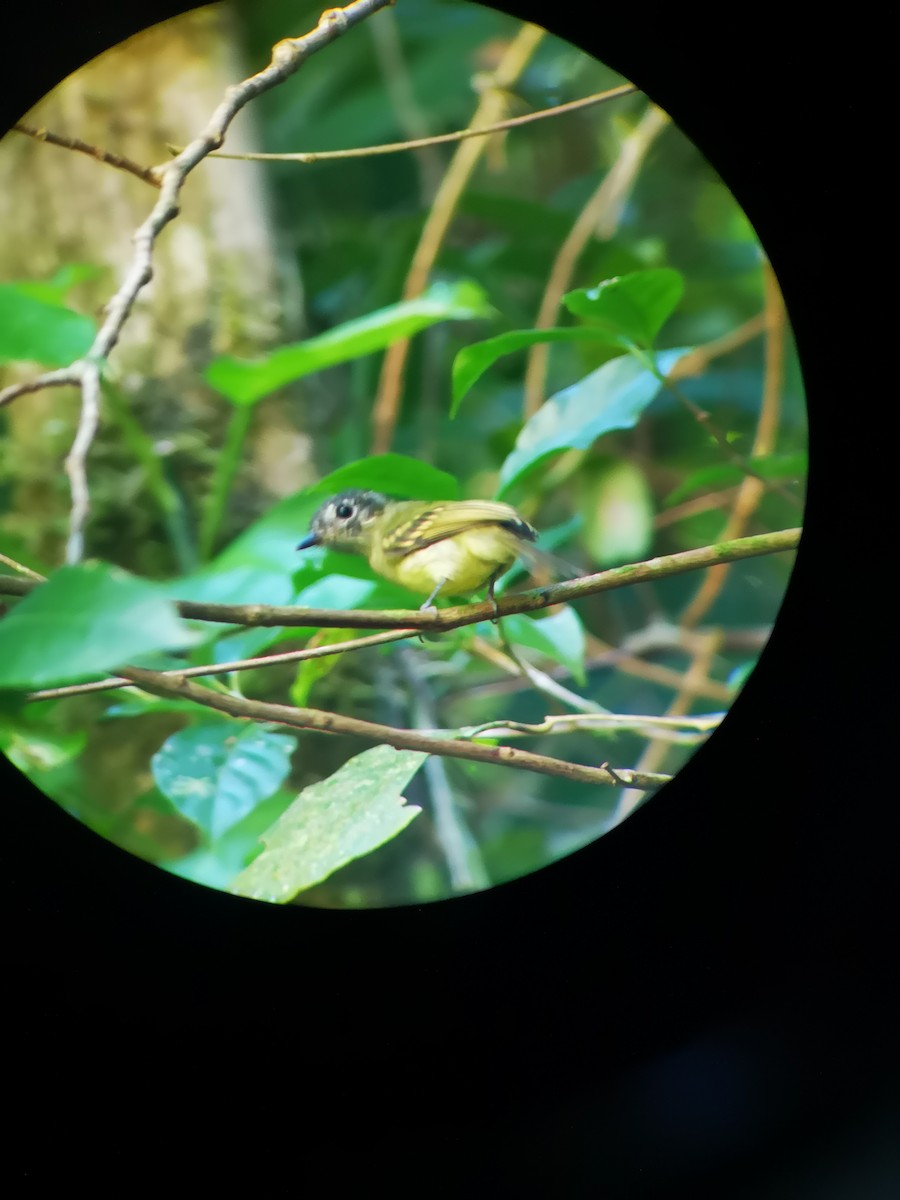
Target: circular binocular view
(402, 449)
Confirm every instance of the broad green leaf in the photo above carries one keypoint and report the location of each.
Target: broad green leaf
(338, 591)
(34, 330)
(83, 622)
(559, 636)
(352, 813)
(722, 475)
(395, 474)
(633, 307)
(216, 865)
(472, 361)
(215, 774)
(617, 506)
(235, 585)
(244, 382)
(612, 397)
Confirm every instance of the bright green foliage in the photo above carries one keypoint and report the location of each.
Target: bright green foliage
(245, 383)
(395, 474)
(216, 774)
(472, 361)
(612, 397)
(38, 329)
(632, 308)
(83, 622)
(351, 813)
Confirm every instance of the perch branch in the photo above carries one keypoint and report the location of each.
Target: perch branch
(267, 615)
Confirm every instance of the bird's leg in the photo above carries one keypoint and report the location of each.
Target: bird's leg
(428, 603)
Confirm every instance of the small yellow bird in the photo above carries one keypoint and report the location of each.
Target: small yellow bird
(449, 546)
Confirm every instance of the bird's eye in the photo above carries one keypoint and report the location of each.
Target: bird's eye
(344, 511)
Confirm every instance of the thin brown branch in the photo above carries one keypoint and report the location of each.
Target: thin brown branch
(266, 615)
(690, 508)
(439, 139)
(696, 362)
(64, 377)
(598, 219)
(149, 175)
(17, 566)
(227, 668)
(752, 489)
(319, 721)
(468, 153)
(675, 728)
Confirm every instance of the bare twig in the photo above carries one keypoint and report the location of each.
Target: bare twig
(287, 56)
(319, 721)
(599, 218)
(266, 615)
(558, 110)
(240, 664)
(149, 175)
(17, 566)
(696, 727)
(468, 153)
(76, 460)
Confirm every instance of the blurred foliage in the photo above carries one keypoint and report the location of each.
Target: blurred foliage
(612, 468)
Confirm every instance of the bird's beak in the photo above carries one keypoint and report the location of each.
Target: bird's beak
(311, 540)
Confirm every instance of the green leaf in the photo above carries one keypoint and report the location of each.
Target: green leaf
(395, 474)
(33, 330)
(722, 475)
(83, 622)
(472, 361)
(352, 813)
(215, 774)
(560, 637)
(617, 506)
(612, 397)
(245, 382)
(633, 307)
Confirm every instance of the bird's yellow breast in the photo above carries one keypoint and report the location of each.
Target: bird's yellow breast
(466, 561)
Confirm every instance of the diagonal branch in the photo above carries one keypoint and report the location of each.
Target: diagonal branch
(147, 174)
(319, 721)
(267, 615)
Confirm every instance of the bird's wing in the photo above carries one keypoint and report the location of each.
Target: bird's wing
(445, 520)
